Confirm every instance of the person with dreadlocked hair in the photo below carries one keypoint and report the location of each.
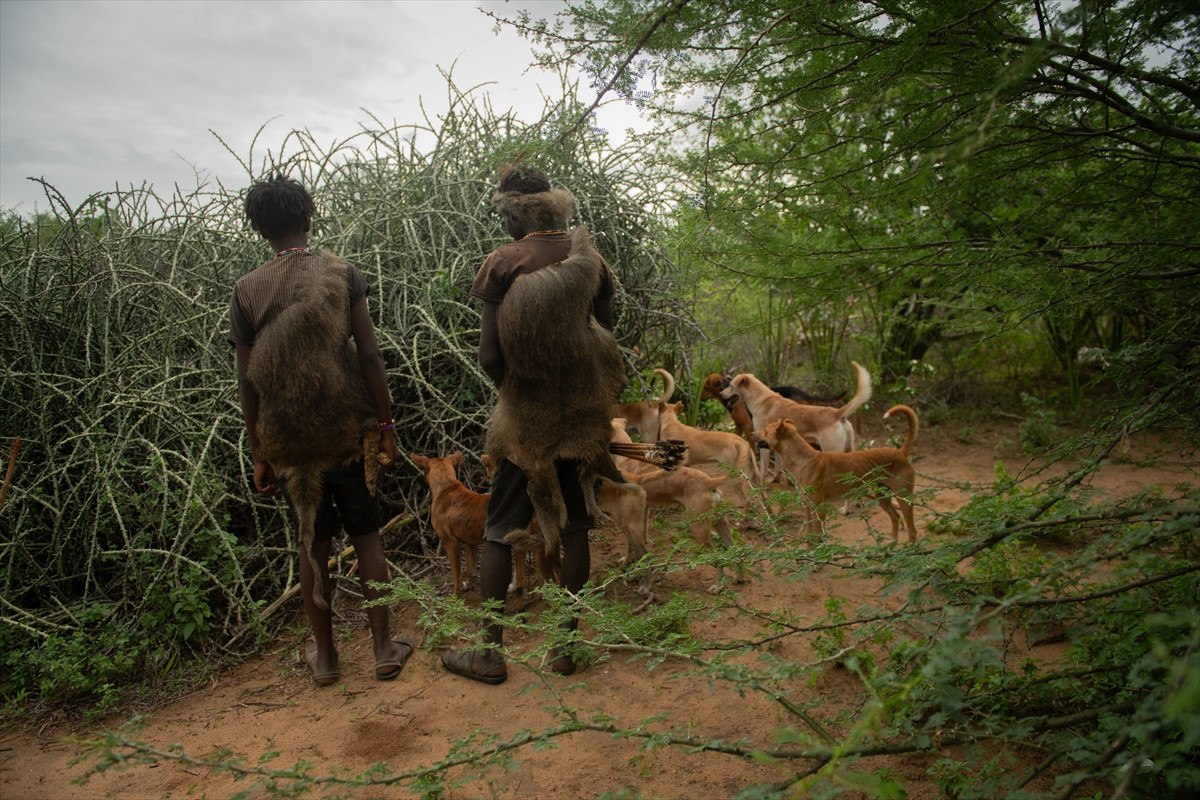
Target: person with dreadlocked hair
(546, 341)
(315, 400)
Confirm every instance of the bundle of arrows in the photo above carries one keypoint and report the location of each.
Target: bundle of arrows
(667, 453)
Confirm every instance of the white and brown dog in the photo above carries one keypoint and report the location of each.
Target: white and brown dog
(885, 467)
(828, 428)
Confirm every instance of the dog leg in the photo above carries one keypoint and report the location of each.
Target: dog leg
(886, 504)
(469, 578)
(450, 545)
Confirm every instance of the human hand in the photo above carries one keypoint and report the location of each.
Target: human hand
(264, 478)
(388, 454)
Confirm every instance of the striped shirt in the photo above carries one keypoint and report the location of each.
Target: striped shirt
(259, 296)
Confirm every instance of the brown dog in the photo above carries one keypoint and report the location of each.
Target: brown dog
(694, 491)
(459, 517)
(711, 390)
(623, 503)
(829, 428)
(707, 447)
(641, 417)
(824, 470)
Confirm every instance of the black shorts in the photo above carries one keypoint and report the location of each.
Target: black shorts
(345, 504)
(510, 508)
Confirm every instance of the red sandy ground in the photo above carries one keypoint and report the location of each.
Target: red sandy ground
(269, 704)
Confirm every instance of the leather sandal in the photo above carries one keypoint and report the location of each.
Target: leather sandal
(388, 669)
(319, 678)
(485, 666)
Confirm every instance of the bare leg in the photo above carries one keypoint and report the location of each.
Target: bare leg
(495, 574)
(577, 560)
(487, 665)
(576, 569)
(373, 567)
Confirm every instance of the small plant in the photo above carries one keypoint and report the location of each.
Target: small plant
(1039, 431)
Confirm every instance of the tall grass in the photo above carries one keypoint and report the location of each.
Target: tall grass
(131, 534)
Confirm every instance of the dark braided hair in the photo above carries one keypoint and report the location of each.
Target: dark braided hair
(525, 180)
(279, 206)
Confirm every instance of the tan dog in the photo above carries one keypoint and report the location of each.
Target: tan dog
(694, 491)
(829, 428)
(626, 504)
(642, 416)
(824, 470)
(459, 517)
(714, 383)
(707, 447)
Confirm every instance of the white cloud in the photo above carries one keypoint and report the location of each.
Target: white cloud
(96, 94)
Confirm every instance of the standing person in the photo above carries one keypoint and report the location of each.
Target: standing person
(281, 211)
(536, 216)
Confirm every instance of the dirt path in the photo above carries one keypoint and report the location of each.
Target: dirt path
(269, 705)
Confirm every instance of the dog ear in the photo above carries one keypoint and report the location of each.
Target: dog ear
(455, 458)
(418, 459)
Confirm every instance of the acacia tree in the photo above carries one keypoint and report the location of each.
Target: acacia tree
(958, 163)
(963, 168)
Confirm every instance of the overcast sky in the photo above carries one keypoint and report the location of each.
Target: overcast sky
(97, 94)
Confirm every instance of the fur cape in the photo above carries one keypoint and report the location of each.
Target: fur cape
(539, 211)
(563, 372)
(315, 411)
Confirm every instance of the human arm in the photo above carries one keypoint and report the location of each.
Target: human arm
(490, 357)
(374, 371)
(264, 473)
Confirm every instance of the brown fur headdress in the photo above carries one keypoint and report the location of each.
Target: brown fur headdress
(536, 211)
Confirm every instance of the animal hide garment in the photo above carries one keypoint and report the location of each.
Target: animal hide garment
(315, 412)
(563, 371)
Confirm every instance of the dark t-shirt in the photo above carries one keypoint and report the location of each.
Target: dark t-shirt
(260, 295)
(509, 261)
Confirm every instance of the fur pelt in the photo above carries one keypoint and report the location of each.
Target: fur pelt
(315, 412)
(563, 371)
(536, 211)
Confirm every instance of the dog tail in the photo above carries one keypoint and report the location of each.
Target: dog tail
(862, 392)
(913, 425)
(668, 384)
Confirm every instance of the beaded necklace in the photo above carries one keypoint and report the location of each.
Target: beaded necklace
(291, 250)
(543, 233)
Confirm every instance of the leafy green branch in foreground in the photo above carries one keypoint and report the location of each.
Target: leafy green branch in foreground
(936, 655)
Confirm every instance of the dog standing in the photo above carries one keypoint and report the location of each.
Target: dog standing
(829, 428)
(459, 517)
(824, 470)
(742, 426)
(624, 504)
(713, 447)
(694, 491)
